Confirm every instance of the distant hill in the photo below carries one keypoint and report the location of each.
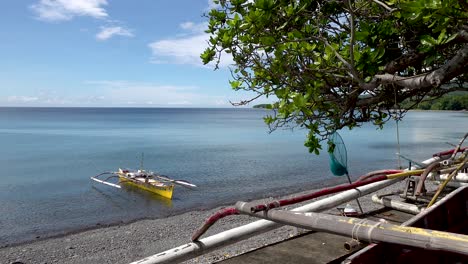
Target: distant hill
(265, 106)
(452, 101)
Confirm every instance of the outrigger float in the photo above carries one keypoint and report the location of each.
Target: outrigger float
(146, 180)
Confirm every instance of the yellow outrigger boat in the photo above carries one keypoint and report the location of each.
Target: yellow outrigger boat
(145, 180)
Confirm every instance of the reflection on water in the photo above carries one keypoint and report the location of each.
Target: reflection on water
(148, 197)
(110, 198)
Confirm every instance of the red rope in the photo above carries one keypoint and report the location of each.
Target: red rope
(261, 207)
(305, 197)
(377, 173)
(233, 211)
(448, 152)
(363, 180)
(213, 219)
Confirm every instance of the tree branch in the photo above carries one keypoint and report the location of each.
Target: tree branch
(351, 42)
(245, 102)
(384, 6)
(454, 67)
(404, 61)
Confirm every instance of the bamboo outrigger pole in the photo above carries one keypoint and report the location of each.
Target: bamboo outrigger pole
(364, 229)
(105, 182)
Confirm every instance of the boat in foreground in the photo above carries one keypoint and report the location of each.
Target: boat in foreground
(146, 180)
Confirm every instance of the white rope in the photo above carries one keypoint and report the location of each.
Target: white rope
(354, 232)
(369, 233)
(398, 133)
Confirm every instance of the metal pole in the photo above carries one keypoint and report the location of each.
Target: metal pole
(357, 200)
(401, 206)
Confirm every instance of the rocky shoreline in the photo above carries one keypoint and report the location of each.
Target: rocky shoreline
(130, 242)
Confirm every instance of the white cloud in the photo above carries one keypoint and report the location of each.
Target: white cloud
(109, 32)
(51, 98)
(120, 93)
(61, 10)
(151, 94)
(222, 103)
(212, 5)
(180, 103)
(187, 25)
(21, 99)
(194, 27)
(185, 50)
(179, 51)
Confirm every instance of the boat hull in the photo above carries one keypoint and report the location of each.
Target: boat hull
(162, 190)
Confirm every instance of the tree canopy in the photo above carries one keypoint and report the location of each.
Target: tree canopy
(334, 64)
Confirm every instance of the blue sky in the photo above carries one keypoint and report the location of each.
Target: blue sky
(123, 53)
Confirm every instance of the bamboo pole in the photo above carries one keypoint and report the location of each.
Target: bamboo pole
(455, 184)
(367, 230)
(305, 197)
(442, 186)
(457, 149)
(401, 206)
(104, 182)
(461, 177)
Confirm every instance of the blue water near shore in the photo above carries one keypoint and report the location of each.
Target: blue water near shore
(48, 155)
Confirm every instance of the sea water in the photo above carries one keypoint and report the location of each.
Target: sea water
(48, 155)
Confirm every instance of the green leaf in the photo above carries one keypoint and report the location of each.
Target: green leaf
(288, 50)
(267, 40)
(329, 53)
(441, 36)
(361, 36)
(449, 39)
(268, 120)
(378, 54)
(235, 84)
(299, 101)
(428, 40)
(207, 55)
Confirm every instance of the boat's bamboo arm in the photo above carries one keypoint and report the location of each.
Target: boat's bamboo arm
(105, 182)
(178, 182)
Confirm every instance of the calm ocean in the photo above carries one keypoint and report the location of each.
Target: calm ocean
(48, 155)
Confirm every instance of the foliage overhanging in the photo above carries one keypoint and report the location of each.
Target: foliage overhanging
(335, 64)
